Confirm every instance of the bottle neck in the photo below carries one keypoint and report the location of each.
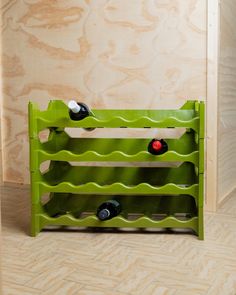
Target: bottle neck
(104, 214)
(74, 107)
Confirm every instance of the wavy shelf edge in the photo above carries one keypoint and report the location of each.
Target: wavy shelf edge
(116, 121)
(120, 188)
(119, 221)
(118, 156)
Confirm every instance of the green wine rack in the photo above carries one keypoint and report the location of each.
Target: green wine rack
(151, 196)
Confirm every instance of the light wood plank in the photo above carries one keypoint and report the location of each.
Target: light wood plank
(212, 104)
(227, 101)
(118, 263)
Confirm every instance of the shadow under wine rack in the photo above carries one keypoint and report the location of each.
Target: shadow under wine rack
(151, 195)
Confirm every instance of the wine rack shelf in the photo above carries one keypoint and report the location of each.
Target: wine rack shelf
(138, 211)
(169, 195)
(62, 147)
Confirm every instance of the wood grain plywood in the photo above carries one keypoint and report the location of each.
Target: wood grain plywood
(109, 54)
(212, 104)
(1, 141)
(227, 101)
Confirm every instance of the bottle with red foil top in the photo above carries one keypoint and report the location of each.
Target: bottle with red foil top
(157, 146)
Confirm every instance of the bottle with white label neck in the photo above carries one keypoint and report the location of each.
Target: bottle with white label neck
(108, 210)
(78, 111)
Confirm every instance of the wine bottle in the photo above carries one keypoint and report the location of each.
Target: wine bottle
(108, 210)
(157, 146)
(79, 111)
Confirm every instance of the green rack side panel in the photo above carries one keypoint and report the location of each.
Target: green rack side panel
(166, 196)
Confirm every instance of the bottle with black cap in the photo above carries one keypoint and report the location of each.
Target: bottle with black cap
(108, 210)
(157, 146)
(78, 111)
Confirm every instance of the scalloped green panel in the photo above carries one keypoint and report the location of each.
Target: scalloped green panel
(150, 189)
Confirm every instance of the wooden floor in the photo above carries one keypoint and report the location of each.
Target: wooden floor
(95, 263)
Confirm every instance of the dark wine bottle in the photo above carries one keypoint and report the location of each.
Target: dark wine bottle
(157, 146)
(78, 110)
(108, 210)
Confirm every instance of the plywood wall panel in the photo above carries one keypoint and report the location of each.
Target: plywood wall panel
(227, 101)
(109, 54)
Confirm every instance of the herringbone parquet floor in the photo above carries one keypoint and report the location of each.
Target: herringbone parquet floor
(94, 263)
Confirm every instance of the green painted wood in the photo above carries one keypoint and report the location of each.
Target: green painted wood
(57, 116)
(119, 188)
(120, 122)
(148, 185)
(117, 156)
(61, 147)
(62, 177)
(61, 203)
(120, 222)
(146, 211)
(61, 172)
